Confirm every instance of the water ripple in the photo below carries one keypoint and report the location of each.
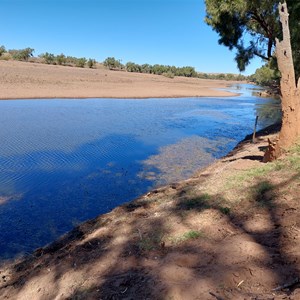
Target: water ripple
(62, 162)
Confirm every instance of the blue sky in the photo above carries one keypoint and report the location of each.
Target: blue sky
(170, 32)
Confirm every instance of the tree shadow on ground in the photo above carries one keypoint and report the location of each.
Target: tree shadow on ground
(277, 261)
(168, 245)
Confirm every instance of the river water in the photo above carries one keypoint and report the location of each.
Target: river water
(65, 161)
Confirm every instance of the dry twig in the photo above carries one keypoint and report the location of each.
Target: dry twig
(217, 297)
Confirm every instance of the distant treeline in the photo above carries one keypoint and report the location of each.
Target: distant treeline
(47, 58)
(111, 63)
(63, 60)
(168, 71)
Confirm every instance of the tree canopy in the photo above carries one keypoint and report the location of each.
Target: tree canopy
(49, 58)
(265, 76)
(113, 64)
(294, 12)
(251, 26)
(22, 54)
(2, 50)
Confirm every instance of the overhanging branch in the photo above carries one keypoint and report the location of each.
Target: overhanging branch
(261, 56)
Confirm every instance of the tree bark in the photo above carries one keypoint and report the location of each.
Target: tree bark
(290, 92)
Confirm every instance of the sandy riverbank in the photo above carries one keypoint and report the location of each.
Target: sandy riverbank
(22, 80)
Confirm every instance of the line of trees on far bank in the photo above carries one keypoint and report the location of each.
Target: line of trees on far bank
(64, 60)
(26, 54)
(112, 63)
(168, 71)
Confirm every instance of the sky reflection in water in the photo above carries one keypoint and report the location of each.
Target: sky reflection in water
(65, 161)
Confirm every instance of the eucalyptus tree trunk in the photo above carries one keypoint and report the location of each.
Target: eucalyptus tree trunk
(290, 92)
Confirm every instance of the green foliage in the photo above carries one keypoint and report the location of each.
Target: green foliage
(80, 62)
(263, 187)
(91, 63)
(224, 210)
(294, 12)
(265, 76)
(248, 175)
(22, 54)
(61, 59)
(229, 77)
(290, 162)
(71, 61)
(168, 74)
(2, 50)
(132, 67)
(158, 69)
(168, 71)
(49, 58)
(294, 158)
(190, 235)
(113, 64)
(220, 76)
(204, 76)
(186, 72)
(255, 21)
(146, 68)
(223, 76)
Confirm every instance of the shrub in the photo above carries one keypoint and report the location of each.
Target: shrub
(112, 63)
(61, 59)
(91, 63)
(5, 56)
(2, 50)
(80, 62)
(48, 58)
(22, 54)
(168, 74)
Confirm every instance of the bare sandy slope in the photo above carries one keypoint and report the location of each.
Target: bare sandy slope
(32, 80)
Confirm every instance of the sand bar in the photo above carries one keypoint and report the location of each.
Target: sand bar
(24, 80)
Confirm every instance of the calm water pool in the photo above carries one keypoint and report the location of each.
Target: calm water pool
(65, 161)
